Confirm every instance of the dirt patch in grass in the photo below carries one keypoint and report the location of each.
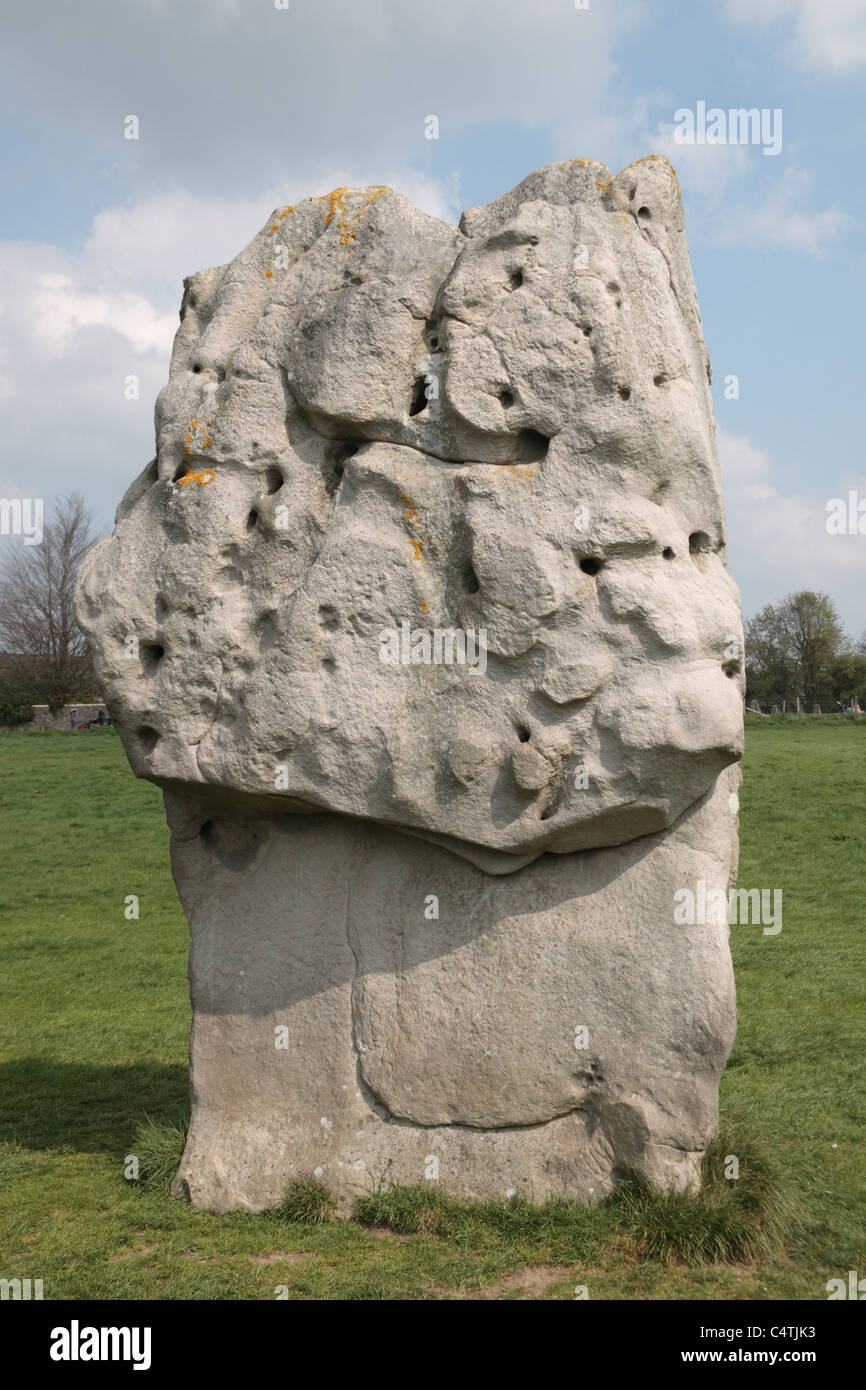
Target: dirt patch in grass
(277, 1257)
(533, 1282)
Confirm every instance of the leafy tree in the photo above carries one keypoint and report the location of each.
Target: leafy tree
(816, 637)
(792, 647)
(770, 665)
(849, 678)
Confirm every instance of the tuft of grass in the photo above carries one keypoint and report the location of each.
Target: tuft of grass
(158, 1146)
(729, 1220)
(407, 1210)
(557, 1230)
(309, 1203)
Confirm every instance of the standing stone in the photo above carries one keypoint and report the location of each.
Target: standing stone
(441, 670)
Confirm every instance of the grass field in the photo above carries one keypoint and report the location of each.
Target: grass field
(95, 1015)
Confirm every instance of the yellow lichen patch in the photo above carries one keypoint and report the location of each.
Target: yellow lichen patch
(197, 436)
(585, 163)
(513, 470)
(281, 214)
(203, 477)
(420, 538)
(269, 275)
(338, 209)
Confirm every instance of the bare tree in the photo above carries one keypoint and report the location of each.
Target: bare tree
(37, 622)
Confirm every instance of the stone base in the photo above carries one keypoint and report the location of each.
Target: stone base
(342, 1030)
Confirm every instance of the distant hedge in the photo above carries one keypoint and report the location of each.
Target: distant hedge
(15, 714)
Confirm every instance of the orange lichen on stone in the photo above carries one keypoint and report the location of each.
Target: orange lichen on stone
(347, 222)
(204, 477)
(194, 428)
(513, 470)
(419, 540)
(269, 275)
(281, 214)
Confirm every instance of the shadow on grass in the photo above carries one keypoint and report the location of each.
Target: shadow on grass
(86, 1108)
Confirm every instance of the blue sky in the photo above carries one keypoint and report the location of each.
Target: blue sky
(243, 106)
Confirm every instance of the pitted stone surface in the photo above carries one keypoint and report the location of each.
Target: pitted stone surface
(430, 568)
(375, 420)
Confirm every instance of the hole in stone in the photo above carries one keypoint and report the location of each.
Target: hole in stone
(613, 287)
(658, 381)
(148, 738)
(625, 392)
(523, 733)
(506, 400)
(273, 480)
(644, 213)
(668, 553)
(419, 396)
(730, 671)
(470, 580)
(515, 279)
(586, 332)
(266, 629)
(434, 344)
(343, 452)
(699, 543)
(547, 812)
(196, 366)
(590, 565)
(206, 831)
(532, 446)
(252, 519)
(151, 654)
(180, 472)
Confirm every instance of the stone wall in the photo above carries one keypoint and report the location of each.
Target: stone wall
(68, 717)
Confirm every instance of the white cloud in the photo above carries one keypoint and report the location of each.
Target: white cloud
(778, 541)
(160, 239)
(707, 170)
(781, 219)
(237, 95)
(75, 326)
(717, 182)
(826, 35)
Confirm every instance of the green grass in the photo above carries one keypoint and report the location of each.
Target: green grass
(93, 1070)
